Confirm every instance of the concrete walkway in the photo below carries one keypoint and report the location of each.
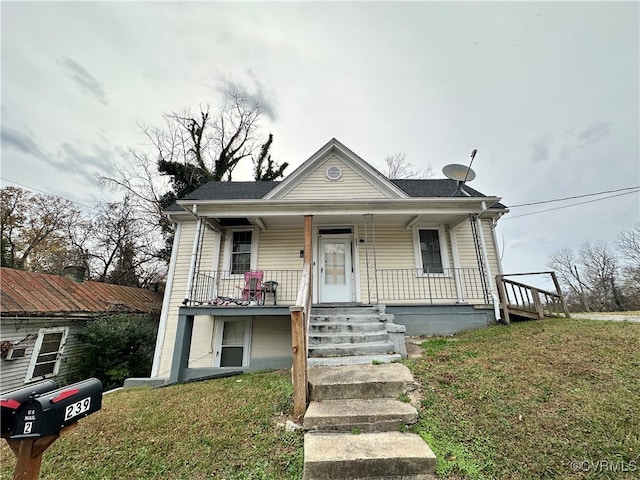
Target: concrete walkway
(609, 316)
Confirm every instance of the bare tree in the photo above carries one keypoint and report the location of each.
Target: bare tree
(120, 250)
(592, 277)
(601, 268)
(564, 262)
(397, 166)
(628, 244)
(187, 151)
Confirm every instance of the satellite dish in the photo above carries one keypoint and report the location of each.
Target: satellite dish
(460, 173)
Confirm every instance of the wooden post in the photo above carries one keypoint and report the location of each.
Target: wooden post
(299, 324)
(537, 303)
(559, 292)
(308, 219)
(308, 260)
(29, 453)
(504, 301)
(299, 350)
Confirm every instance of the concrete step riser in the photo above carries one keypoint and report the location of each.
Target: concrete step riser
(345, 319)
(377, 415)
(362, 381)
(348, 349)
(369, 455)
(387, 389)
(347, 310)
(346, 328)
(317, 339)
(353, 360)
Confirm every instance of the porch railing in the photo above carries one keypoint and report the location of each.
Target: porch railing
(210, 287)
(450, 285)
(391, 285)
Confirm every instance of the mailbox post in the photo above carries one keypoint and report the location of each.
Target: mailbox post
(39, 417)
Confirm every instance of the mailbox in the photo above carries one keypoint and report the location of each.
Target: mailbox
(48, 413)
(11, 401)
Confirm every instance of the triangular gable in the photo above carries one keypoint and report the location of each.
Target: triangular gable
(356, 177)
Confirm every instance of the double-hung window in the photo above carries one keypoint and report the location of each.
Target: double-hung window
(240, 252)
(430, 250)
(47, 352)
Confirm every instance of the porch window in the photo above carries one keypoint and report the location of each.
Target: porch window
(240, 251)
(47, 352)
(431, 253)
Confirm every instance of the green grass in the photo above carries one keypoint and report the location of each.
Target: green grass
(222, 429)
(525, 401)
(519, 402)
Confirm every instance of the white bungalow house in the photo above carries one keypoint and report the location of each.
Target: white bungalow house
(425, 249)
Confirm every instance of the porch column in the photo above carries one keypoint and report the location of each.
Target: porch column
(456, 265)
(182, 347)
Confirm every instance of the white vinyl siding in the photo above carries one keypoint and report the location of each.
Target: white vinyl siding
(202, 336)
(350, 184)
(177, 294)
(271, 337)
(280, 249)
(467, 251)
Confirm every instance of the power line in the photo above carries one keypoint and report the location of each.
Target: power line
(573, 198)
(572, 205)
(47, 193)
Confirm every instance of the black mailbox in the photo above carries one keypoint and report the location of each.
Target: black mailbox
(48, 413)
(11, 401)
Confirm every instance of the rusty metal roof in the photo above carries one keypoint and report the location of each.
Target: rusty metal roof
(43, 294)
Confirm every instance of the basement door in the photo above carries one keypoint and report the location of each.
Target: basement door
(335, 269)
(233, 338)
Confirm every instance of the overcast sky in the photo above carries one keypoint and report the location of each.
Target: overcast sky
(548, 93)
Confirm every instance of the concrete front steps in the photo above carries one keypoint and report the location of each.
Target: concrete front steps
(350, 335)
(355, 422)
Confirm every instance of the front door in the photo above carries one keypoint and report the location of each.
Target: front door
(335, 269)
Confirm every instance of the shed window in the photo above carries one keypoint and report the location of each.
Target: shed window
(47, 352)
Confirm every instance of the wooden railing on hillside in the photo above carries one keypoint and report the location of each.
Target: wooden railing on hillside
(527, 301)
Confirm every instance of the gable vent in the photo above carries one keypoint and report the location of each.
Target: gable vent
(333, 173)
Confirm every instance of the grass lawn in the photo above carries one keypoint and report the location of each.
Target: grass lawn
(505, 402)
(222, 429)
(528, 400)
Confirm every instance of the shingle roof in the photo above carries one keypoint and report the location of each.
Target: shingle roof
(416, 188)
(439, 187)
(231, 190)
(43, 294)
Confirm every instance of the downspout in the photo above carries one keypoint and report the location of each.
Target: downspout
(164, 315)
(194, 255)
(483, 245)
